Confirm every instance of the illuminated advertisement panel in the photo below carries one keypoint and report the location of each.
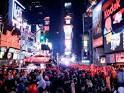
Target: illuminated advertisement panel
(113, 25)
(68, 38)
(120, 57)
(9, 40)
(97, 20)
(68, 44)
(15, 13)
(116, 43)
(110, 58)
(116, 57)
(98, 42)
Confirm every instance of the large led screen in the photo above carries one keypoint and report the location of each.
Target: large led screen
(116, 43)
(110, 58)
(15, 13)
(113, 25)
(97, 20)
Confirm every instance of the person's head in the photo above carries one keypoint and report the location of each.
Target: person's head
(60, 90)
(108, 24)
(45, 92)
(12, 92)
(121, 89)
(46, 77)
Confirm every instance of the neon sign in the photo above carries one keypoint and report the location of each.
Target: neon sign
(120, 57)
(113, 8)
(9, 40)
(97, 42)
(15, 13)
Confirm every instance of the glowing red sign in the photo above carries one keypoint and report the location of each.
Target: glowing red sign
(37, 59)
(97, 42)
(113, 8)
(46, 28)
(120, 57)
(9, 40)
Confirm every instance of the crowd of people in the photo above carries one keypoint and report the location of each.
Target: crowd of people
(63, 79)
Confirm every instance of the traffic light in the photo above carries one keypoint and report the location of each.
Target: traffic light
(42, 38)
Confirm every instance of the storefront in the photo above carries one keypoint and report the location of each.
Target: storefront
(9, 47)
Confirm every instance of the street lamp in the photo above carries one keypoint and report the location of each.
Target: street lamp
(1, 25)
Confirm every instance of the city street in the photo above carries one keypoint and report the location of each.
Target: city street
(62, 46)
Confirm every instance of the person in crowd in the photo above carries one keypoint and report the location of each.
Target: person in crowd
(120, 77)
(60, 90)
(41, 83)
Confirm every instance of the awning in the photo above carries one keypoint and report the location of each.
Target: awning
(38, 59)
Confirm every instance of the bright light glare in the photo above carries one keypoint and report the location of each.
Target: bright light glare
(24, 24)
(19, 19)
(85, 61)
(68, 44)
(93, 3)
(1, 54)
(62, 59)
(50, 45)
(99, 6)
(42, 66)
(68, 29)
(31, 66)
(66, 62)
(21, 61)
(68, 4)
(73, 58)
(67, 52)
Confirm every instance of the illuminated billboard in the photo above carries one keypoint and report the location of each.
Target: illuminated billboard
(116, 57)
(15, 13)
(113, 25)
(97, 26)
(98, 42)
(114, 43)
(97, 21)
(113, 16)
(110, 58)
(68, 34)
(9, 40)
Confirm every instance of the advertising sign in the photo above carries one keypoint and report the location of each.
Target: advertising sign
(102, 60)
(116, 57)
(116, 43)
(113, 20)
(98, 42)
(15, 13)
(110, 58)
(120, 57)
(9, 40)
(97, 20)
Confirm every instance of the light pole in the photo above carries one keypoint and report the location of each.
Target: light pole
(57, 57)
(83, 36)
(1, 25)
